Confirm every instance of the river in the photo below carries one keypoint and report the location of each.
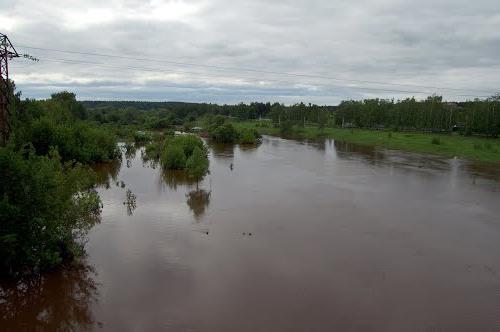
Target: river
(286, 236)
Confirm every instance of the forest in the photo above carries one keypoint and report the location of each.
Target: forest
(477, 117)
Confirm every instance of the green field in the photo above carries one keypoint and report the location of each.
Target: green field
(471, 148)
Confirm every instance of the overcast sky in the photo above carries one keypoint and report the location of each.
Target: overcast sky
(317, 51)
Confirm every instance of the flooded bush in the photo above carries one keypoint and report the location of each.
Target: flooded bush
(174, 157)
(197, 165)
(248, 136)
(142, 137)
(226, 133)
(153, 151)
(46, 209)
(179, 149)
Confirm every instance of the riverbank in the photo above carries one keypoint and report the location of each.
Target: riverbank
(470, 148)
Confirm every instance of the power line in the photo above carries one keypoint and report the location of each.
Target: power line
(263, 71)
(162, 70)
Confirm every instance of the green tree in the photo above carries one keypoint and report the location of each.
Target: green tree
(46, 208)
(68, 100)
(174, 157)
(197, 165)
(225, 133)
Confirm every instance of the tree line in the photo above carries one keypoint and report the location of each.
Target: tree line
(477, 117)
(161, 115)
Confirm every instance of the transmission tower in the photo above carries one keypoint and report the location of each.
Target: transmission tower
(7, 52)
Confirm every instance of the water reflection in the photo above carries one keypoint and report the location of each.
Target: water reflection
(59, 301)
(486, 170)
(248, 148)
(107, 172)
(130, 150)
(198, 201)
(383, 157)
(367, 152)
(318, 144)
(148, 161)
(222, 151)
(175, 178)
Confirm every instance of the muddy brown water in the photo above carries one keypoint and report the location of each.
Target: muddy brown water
(287, 236)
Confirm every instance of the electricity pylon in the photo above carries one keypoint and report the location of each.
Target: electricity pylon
(7, 52)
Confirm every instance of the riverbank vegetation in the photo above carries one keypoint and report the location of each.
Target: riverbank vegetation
(125, 118)
(220, 130)
(47, 196)
(462, 129)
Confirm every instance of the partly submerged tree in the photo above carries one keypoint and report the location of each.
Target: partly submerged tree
(197, 165)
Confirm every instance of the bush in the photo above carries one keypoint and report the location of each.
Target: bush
(188, 143)
(248, 136)
(174, 157)
(225, 133)
(142, 137)
(153, 151)
(178, 150)
(79, 142)
(436, 141)
(45, 211)
(197, 164)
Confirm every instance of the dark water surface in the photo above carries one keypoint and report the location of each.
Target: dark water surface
(293, 237)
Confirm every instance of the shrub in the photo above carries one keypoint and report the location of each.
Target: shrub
(179, 152)
(225, 133)
(153, 151)
(197, 164)
(248, 136)
(142, 137)
(188, 143)
(80, 142)
(436, 141)
(174, 157)
(46, 209)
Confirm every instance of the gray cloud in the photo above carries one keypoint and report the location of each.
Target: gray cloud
(448, 43)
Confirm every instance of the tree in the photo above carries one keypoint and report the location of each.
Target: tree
(197, 165)
(225, 133)
(68, 100)
(46, 208)
(174, 157)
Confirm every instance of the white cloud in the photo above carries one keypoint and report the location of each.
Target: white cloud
(7, 24)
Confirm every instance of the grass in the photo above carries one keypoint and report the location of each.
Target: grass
(471, 148)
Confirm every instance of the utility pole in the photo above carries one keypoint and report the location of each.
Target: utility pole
(7, 52)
